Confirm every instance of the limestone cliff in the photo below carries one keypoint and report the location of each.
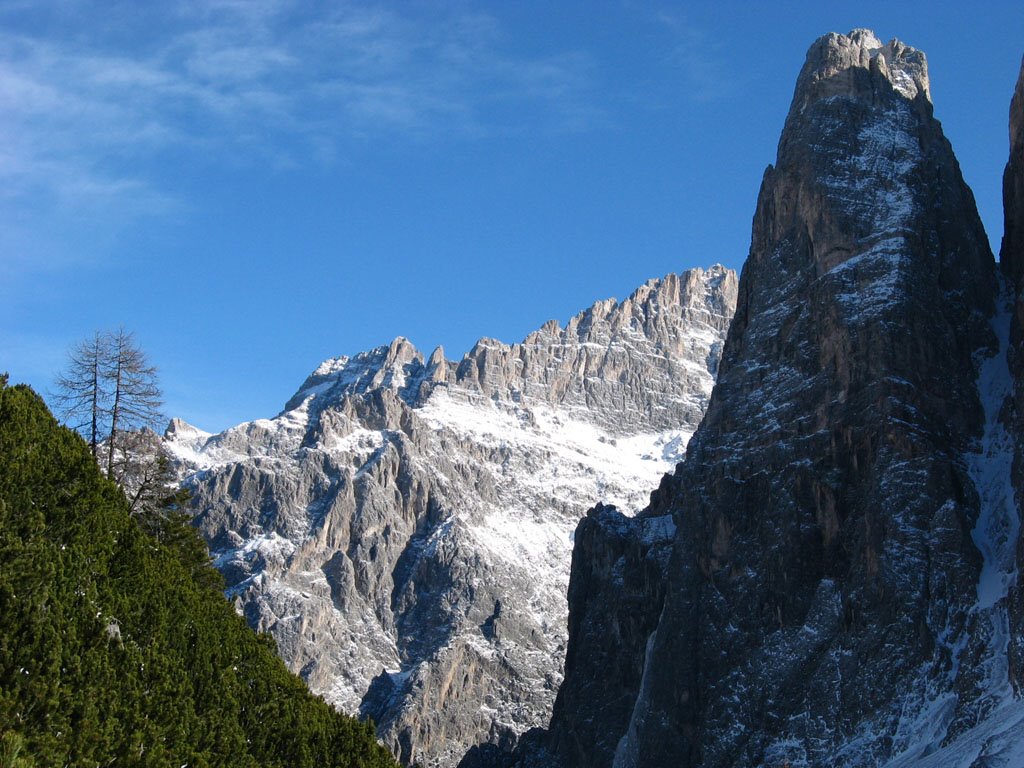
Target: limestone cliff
(404, 527)
(836, 593)
(1012, 261)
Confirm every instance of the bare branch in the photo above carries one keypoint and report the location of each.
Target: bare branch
(83, 390)
(108, 390)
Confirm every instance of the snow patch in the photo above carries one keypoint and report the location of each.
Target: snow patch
(997, 740)
(998, 525)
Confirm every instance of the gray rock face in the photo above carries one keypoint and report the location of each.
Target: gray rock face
(404, 527)
(837, 589)
(1011, 259)
(644, 360)
(1011, 255)
(616, 593)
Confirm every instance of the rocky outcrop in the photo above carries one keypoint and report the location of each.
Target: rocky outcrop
(837, 584)
(1011, 260)
(616, 591)
(404, 527)
(617, 587)
(1011, 257)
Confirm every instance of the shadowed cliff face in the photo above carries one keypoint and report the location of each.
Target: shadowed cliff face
(1011, 255)
(617, 589)
(1011, 259)
(835, 563)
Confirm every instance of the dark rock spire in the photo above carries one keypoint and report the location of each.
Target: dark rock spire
(825, 571)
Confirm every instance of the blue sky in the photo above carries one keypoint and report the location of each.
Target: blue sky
(254, 187)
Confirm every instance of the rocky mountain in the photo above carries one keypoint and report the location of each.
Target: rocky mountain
(841, 584)
(404, 527)
(1011, 259)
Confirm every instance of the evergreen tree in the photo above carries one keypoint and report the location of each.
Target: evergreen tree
(117, 646)
(13, 753)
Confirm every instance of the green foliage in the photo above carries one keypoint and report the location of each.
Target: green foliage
(12, 751)
(116, 644)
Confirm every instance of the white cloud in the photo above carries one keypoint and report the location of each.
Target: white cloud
(698, 57)
(83, 111)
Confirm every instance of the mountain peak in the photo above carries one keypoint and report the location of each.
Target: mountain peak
(858, 144)
(830, 456)
(1012, 250)
(416, 515)
(394, 366)
(859, 66)
(181, 429)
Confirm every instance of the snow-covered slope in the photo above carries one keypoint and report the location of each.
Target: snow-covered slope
(404, 527)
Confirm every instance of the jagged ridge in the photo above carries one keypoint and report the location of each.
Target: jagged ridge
(415, 516)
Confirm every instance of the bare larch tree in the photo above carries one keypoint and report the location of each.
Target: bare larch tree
(135, 395)
(110, 393)
(82, 389)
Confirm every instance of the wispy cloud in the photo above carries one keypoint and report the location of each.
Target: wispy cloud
(697, 56)
(91, 94)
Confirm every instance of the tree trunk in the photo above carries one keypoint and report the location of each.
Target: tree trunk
(94, 432)
(115, 412)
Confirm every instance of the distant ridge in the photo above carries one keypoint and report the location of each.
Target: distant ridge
(403, 528)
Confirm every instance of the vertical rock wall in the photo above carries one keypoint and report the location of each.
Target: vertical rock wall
(822, 590)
